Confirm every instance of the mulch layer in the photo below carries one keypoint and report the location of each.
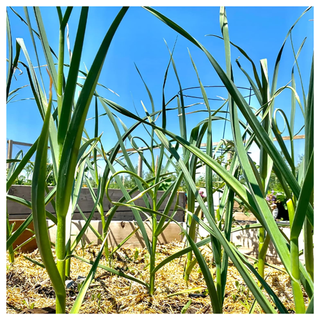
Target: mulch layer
(29, 289)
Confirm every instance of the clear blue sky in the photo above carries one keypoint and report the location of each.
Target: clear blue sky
(260, 31)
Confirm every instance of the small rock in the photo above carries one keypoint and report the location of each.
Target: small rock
(69, 284)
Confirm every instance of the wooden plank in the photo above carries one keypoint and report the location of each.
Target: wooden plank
(18, 211)
(302, 136)
(21, 143)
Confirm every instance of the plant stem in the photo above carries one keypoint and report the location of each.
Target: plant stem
(60, 253)
(261, 255)
(192, 234)
(61, 303)
(67, 264)
(216, 246)
(60, 72)
(192, 230)
(9, 232)
(308, 248)
(104, 230)
(295, 280)
(11, 254)
(153, 255)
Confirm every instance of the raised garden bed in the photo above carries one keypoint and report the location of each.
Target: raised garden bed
(121, 226)
(29, 289)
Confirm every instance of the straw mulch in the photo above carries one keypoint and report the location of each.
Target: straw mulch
(29, 289)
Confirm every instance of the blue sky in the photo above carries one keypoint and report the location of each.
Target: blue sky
(260, 31)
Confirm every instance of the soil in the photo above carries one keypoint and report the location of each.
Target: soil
(29, 289)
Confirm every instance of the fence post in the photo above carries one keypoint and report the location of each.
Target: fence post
(9, 154)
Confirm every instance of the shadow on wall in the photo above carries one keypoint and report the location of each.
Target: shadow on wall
(248, 240)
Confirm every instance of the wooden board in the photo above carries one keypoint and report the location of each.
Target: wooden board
(18, 211)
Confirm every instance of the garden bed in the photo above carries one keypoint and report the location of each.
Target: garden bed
(29, 289)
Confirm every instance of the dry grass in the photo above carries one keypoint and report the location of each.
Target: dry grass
(111, 294)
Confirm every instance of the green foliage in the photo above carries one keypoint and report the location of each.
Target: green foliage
(28, 169)
(74, 164)
(186, 307)
(63, 129)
